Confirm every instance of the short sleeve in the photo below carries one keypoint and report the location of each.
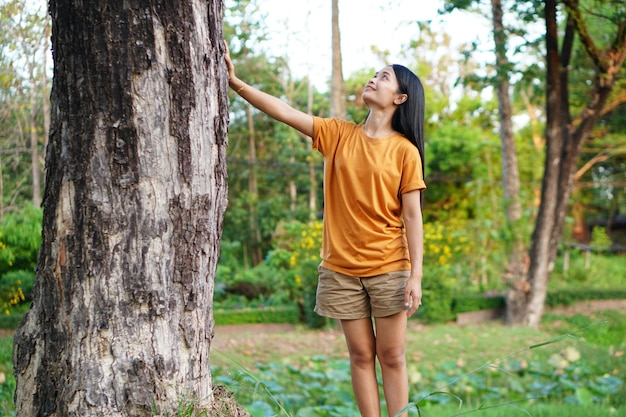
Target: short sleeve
(326, 134)
(412, 173)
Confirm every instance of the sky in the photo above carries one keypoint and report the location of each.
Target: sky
(302, 31)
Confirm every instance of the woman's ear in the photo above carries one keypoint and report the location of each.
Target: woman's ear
(400, 99)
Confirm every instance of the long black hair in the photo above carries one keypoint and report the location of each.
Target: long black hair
(409, 116)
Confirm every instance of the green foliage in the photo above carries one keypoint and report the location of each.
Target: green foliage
(266, 157)
(283, 314)
(438, 298)
(568, 296)
(15, 288)
(600, 240)
(24, 85)
(321, 387)
(561, 373)
(457, 187)
(10, 321)
(243, 287)
(296, 255)
(445, 250)
(607, 328)
(577, 268)
(7, 380)
(20, 239)
(467, 302)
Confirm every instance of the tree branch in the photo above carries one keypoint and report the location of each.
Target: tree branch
(573, 10)
(601, 157)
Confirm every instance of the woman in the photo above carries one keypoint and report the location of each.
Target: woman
(373, 236)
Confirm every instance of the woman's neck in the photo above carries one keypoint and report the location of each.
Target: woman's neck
(378, 125)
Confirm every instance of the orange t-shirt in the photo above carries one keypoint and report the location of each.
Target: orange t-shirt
(364, 179)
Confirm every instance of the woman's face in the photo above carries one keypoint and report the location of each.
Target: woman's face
(382, 89)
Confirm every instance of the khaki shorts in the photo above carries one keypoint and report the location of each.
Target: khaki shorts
(341, 296)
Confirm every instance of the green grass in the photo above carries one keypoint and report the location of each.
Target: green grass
(575, 363)
(7, 387)
(525, 410)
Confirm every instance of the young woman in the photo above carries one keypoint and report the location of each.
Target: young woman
(373, 235)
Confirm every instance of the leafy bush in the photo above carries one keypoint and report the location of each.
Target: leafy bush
(464, 303)
(296, 255)
(11, 320)
(438, 297)
(20, 239)
(263, 284)
(568, 296)
(583, 268)
(445, 251)
(284, 314)
(15, 288)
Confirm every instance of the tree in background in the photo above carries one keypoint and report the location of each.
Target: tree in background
(337, 90)
(563, 141)
(121, 320)
(510, 171)
(600, 28)
(286, 172)
(24, 113)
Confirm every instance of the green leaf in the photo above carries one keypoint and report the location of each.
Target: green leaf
(584, 396)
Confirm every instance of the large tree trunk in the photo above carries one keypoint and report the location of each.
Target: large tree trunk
(564, 140)
(121, 320)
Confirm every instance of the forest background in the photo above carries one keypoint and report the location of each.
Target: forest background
(273, 222)
(272, 228)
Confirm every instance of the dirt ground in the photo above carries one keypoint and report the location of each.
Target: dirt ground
(266, 341)
(246, 338)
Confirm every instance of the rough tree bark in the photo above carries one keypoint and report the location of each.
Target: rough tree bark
(121, 320)
(564, 140)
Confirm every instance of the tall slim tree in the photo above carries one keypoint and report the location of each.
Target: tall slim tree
(24, 50)
(337, 91)
(510, 170)
(121, 321)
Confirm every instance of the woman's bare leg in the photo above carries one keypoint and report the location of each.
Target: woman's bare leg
(361, 343)
(390, 348)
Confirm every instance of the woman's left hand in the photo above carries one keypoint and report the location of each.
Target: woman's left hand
(413, 295)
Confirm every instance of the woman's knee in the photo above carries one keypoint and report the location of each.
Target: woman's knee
(392, 357)
(362, 357)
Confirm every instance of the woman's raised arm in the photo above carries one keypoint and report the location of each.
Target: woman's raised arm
(268, 104)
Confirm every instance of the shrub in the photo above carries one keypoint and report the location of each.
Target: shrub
(284, 314)
(568, 296)
(437, 300)
(445, 251)
(15, 288)
(296, 255)
(464, 303)
(20, 239)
